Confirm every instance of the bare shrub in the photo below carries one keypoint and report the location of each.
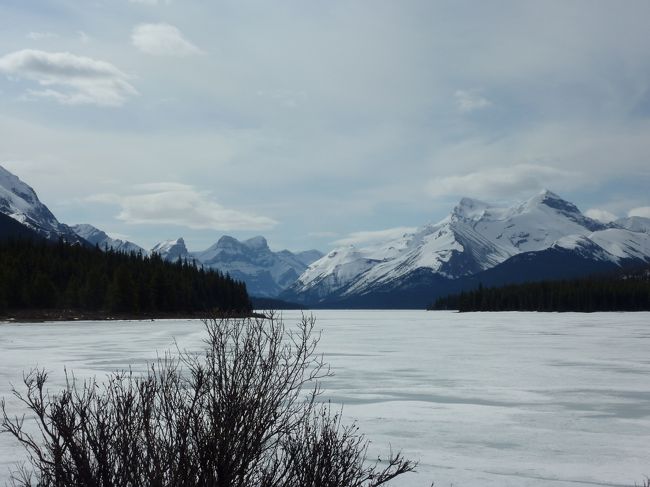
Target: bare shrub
(243, 413)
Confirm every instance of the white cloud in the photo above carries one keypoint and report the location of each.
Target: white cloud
(373, 236)
(470, 100)
(503, 182)
(39, 36)
(180, 204)
(643, 211)
(69, 79)
(601, 215)
(162, 40)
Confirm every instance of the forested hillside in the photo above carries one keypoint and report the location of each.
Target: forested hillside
(38, 275)
(623, 292)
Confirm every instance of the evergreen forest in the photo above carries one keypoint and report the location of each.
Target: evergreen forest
(621, 292)
(39, 275)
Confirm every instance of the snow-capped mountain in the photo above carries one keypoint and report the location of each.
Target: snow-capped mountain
(172, 250)
(266, 273)
(20, 202)
(634, 224)
(475, 237)
(97, 237)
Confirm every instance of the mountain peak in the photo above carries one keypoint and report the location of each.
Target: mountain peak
(170, 243)
(257, 243)
(226, 241)
(547, 193)
(171, 249)
(470, 208)
(552, 200)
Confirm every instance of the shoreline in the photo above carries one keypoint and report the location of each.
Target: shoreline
(54, 315)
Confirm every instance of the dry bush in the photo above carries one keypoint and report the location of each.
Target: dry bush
(243, 413)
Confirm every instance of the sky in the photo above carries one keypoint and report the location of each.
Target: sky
(318, 124)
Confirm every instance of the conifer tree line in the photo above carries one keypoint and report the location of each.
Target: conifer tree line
(37, 275)
(628, 292)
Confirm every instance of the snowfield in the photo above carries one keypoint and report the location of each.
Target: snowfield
(481, 399)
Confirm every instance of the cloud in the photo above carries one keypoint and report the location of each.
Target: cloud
(69, 79)
(503, 182)
(39, 36)
(643, 211)
(162, 40)
(470, 100)
(373, 236)
(180, 204)
(601, 215)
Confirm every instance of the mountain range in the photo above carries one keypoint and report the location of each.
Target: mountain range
(544, 237)
(265, 272)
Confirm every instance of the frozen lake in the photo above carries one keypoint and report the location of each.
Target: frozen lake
(493, 399)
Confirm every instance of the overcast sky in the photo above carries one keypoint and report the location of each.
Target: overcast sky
(315, 122)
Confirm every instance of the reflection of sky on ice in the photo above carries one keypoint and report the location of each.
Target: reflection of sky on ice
(499, 399)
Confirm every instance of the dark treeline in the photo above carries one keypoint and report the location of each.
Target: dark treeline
(629, 292)
(38, 275)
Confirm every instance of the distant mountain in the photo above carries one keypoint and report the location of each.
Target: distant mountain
(97, 237)
(20, 202)
(172, 250)
(266, 273)
(535, 239)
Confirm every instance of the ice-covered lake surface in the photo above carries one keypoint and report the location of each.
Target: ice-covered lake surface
(480, 399)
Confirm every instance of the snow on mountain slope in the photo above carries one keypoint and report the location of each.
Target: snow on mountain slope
(20, 202)
(623, 243)
(449, 248)
(333, 271)
(476, 236)
(342, 266)
(634, 224)
(584, 247)
(97, 237)
(172, 250)
(529, 226)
